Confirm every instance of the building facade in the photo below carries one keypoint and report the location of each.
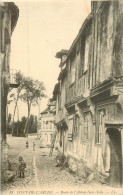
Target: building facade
(8, 18)
(89, 92)
(47, 118)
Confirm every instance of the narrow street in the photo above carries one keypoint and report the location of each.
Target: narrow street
(41, 171)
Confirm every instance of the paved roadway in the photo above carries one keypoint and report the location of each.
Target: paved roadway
(42, 176)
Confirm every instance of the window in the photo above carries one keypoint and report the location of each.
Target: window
(71, 126)
(51, 137)
(100, 126)
(86, 125)
(43, 124)
(76, 126)
(85, 46)
(72, 67)
(50, 124)
(46, 137)
(70, 132)
(64, 58)
(86, 54)
(46, 124)
(72, 74)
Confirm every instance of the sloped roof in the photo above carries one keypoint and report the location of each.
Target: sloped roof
(61, 53)
(53, 109)
(82, 29)
(45, 111)
(49, 108)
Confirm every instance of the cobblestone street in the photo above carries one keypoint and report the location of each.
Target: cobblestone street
(41, 171)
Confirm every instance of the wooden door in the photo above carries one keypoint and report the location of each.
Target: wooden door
(115, 158)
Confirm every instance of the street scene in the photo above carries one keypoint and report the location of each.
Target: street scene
(41, 170)
(61, 97)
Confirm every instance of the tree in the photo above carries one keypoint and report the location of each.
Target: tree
(9, 123)
(32, 91)
(18, 127)
(33, 124)
(20, 80)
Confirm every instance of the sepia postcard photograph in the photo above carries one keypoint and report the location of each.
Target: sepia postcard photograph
(61, 98)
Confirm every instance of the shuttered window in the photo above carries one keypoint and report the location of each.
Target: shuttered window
(86, 124)
(76, 126)
(70, 132)
(100, 126)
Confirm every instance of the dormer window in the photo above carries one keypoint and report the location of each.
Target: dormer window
(63, 58)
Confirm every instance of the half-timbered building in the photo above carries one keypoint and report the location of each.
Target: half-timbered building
(89, 92)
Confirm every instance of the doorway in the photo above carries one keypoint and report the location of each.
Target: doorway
(115, 175)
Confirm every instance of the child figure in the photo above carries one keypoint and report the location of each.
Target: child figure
(33, 146)
(27, 144)
(22, 166)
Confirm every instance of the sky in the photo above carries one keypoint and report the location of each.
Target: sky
(44, 27)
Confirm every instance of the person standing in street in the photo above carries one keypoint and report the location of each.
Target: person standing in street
(33, 146)
(22, 166)
(27, 144)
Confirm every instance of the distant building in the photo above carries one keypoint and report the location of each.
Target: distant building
(89, 93)
(47, 123)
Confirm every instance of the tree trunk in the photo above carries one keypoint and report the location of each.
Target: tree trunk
(25, 129)
(29, 108)
(18, 120)
(15, 111)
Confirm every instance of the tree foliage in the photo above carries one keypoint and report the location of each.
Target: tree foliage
(19, 127)
(32, 92)
(19, 78)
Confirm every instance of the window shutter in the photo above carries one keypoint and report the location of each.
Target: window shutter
(70, 132)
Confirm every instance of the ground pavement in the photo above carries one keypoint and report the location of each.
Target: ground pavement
(42, 176)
